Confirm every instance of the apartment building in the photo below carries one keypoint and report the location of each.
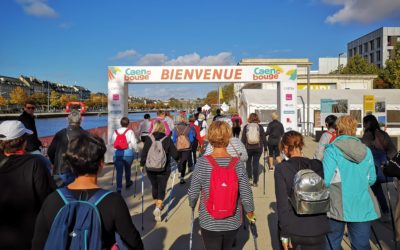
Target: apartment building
(377, 46)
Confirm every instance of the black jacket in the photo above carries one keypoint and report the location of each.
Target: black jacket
(25, 182)
(289, 222)
(59, 145)
(168, 145)
(263, 140)
(33, 140)
(275, 132)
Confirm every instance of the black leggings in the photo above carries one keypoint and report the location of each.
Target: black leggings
(218, 240)
(185, 157)
(308, 242)
(158, 184)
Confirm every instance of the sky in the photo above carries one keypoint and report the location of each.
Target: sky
(73, 42)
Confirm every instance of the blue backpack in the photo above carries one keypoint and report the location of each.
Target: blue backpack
(77, 225)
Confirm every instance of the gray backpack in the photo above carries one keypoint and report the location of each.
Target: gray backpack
(309, 193)
(156, 157)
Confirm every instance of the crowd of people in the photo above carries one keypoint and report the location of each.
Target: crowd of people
(57, 203)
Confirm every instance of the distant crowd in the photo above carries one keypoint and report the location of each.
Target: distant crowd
(56, 202)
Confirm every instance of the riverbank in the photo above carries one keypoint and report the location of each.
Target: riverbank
(14, 116)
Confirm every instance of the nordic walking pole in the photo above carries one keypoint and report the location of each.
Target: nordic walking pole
(253, 230)
(391, 215)
(136, 168)
(142, 198)
(170, 196)
(264, 174)
(191, 231)
(112, 180)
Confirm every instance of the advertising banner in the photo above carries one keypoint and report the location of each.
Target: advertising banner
(376, 106)
(333, 107)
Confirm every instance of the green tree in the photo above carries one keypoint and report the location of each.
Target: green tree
(18, 96)
(39, 98)
(54, 99)
(391, 74)
(358, 65)
(228, 92)
(3, 101)
(212, 98)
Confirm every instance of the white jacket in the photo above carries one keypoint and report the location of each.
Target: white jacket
(130, 138)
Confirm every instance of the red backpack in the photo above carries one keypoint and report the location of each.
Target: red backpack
(224, 186)
(333, 134)
(120, 142)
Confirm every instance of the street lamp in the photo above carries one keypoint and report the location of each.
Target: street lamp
(338, 67)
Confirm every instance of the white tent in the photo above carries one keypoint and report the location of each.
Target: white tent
(224, 107)
(205, 107)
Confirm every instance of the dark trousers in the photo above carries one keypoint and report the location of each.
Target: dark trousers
(184, 158)
(122, 163)
(158, 184)
(218, 240)
(193, 155)
(253, 163)
(380, 196)
(308, 243)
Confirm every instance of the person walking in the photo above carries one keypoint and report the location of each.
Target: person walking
(169, 119)
(28, 119)
(236, 125)
(349, 172)
(219, 230)
(274, 132)
(201, 123)
(62, 172)
(253, 137)
(144, 127)
(375, 138)
(218, 114)
(327, 137)
(307, 231)
(158, 177)
(85, 155)
(125, 145)
(195, 144)
(25, 183)
(161, 117)
(183, 136)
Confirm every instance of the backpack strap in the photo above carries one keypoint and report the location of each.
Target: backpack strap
(99, 196)
(151, 136)
(232, 163)
(126, 131)
(116, 131)
(68, 197)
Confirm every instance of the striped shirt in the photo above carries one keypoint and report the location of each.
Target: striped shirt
(235, 148)
(200, 183)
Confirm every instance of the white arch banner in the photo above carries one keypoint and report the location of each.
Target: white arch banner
(120, 76)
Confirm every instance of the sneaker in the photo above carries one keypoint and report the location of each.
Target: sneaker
(129, 184)
(157, 214)
(271, 169)
(182, 181)
(255, 185)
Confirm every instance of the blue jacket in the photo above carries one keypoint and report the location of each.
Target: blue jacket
(349, 171)
(191, 134)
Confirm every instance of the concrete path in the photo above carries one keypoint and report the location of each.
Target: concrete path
(174, 234)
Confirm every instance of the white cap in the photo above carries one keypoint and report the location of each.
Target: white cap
(10, 130)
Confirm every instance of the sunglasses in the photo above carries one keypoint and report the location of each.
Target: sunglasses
(30, 108)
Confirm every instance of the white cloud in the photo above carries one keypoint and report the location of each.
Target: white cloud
(37, 8)
(65, 25)
(194, 59)
(153, 60)
(363, 11)
(125, 54)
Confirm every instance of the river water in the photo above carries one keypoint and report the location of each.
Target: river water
(50, 126)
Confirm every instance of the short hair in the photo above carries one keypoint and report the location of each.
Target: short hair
(182, 118)
(219, 134)
(292, 139)
(167, 113)
(85, 153)
(192, 119)
(124, 122)
(199, 109)
(146, 116)
(346, 125)
(74, 117)
(330, 121)
(158, 126)
(274, 116)
(12, 146)
(218, 111)
(160, 112)
(253, 118)
(30, 101)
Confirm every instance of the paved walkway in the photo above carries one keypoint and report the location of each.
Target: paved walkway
(174, 234)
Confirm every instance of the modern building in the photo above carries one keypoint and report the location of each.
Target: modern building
(377, 46)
